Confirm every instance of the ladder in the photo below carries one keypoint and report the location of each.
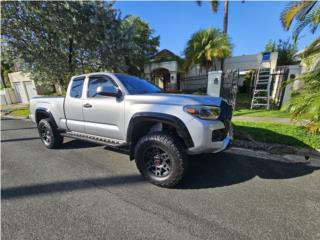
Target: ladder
(262, 87)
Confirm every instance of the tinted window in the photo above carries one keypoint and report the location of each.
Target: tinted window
(136, 85)
(95, 82)
(76, 87)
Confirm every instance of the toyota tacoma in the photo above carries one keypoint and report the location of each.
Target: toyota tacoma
(159, 130)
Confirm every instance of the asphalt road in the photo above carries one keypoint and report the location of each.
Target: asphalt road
(83, 191)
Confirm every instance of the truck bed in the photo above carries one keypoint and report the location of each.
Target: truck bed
(55, 104)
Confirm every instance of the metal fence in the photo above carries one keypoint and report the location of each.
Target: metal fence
(194, 82)
(228, 89)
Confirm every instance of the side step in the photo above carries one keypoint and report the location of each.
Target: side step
(95, 139)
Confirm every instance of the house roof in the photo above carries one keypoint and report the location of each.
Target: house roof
(163, 54)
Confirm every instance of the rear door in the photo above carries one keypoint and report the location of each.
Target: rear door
(103, 115)
(73, 105)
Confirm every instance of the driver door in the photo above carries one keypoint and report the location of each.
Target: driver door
(103, 115)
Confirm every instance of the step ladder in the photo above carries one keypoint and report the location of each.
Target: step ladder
(262, 87)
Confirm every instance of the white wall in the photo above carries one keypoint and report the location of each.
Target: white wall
(19, 77)
(247, 62)
(296, 70)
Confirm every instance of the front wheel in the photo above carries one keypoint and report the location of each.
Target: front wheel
(49, 135)
(161, 159)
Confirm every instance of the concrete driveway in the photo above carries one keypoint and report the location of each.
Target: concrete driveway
(84, 191)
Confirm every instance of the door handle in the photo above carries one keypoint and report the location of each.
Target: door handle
(87, 105)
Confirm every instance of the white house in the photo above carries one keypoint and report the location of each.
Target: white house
(24, 88)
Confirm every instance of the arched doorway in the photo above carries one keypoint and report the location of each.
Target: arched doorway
(161, 77)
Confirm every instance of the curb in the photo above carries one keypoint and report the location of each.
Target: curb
(312, 160)
(278, 149)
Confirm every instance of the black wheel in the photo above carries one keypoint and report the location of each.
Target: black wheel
(49, 134)
(161, 159)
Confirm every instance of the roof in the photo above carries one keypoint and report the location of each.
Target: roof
(164, 53)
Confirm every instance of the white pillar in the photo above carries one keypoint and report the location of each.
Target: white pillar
(173, 80)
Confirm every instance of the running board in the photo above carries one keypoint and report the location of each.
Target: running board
(95, 139)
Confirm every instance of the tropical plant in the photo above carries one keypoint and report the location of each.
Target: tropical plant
(214, 8)
(206, 46)
(311, 55)
(304, 13)
(286, 51)
(305, 102)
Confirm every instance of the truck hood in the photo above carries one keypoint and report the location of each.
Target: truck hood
(174, 99)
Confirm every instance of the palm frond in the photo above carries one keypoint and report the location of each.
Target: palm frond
(294, 9)
(207, 45)
(214, 6)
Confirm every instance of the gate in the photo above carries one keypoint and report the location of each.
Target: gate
(194, 83)
(229, 86)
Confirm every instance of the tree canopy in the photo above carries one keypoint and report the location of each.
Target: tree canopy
(56, 40)
(206, 46)
(145, 43)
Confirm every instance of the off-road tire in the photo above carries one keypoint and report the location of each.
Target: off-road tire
(56, 139)
(176, 153)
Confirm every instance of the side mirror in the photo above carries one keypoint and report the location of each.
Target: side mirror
(112, 91)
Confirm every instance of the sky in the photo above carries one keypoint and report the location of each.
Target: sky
(251, 24)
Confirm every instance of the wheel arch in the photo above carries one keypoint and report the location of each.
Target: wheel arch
(42, 113)
(140, 124)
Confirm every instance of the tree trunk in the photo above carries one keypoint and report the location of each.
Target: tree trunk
(226, 16)
(70, 54)
(225, 25)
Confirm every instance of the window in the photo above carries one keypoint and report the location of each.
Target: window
(136, 85)
(76, 87)
(97, 81)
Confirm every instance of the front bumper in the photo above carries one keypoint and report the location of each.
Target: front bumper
(201, 132)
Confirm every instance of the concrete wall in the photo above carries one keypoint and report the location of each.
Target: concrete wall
(294, 70)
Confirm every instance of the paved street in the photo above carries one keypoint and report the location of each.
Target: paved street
(84, 191)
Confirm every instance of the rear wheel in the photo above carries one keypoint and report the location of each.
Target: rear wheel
(161, 159)
(49, 135)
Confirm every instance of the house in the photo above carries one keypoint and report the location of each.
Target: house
(23, 87)
(165, 69)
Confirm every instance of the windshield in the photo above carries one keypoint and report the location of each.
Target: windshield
(136, 85)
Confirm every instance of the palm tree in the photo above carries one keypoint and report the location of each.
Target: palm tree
(206, 46)
(305, 13)
(214, 8)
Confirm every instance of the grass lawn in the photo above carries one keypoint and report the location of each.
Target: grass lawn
(276, 133)
(262, 113)
(23, 112)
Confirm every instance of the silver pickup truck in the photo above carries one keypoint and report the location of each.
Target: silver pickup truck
(158, 129)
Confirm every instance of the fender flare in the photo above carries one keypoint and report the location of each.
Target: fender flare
(46, 112)
(174, 121)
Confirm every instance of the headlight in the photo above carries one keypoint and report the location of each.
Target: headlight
(203, 111)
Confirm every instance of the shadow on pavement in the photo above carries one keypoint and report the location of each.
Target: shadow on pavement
(225, 169)
(15, 129)
(206, 171)
(67, 186)
(76, 144)
(19, 139)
